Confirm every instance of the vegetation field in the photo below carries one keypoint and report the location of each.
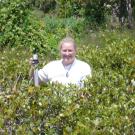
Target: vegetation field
(105, 106)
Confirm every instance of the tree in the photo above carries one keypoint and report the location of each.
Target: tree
(123, 9)
(130, 15)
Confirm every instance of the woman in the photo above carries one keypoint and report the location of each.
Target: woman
(67, 70)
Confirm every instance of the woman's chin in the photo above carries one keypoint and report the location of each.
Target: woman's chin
(67, 62)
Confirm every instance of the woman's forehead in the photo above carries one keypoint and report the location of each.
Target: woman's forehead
(67, 45)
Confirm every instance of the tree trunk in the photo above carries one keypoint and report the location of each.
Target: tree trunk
(129, 12)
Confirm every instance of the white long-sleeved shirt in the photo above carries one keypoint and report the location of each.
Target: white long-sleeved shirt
(74, 73)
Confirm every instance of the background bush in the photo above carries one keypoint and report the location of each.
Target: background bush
(19, 27)
(104, 106)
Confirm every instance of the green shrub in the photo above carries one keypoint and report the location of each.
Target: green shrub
(71, 25)
(69, 8)
(19, 27)
(104, 106)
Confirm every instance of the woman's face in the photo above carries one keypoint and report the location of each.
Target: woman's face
(68, 53)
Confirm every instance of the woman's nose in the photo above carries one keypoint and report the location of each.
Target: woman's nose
(67, 52)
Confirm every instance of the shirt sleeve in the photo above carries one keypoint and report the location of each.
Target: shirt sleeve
(42, 74)
(87, 72)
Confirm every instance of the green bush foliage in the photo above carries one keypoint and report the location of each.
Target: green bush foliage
(69, 8)
(18, 27)
(106, 105)
(69, 26)
(21, 26)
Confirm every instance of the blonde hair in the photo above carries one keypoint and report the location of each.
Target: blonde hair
(67, 40)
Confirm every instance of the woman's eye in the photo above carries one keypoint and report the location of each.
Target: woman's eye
(67, 50)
